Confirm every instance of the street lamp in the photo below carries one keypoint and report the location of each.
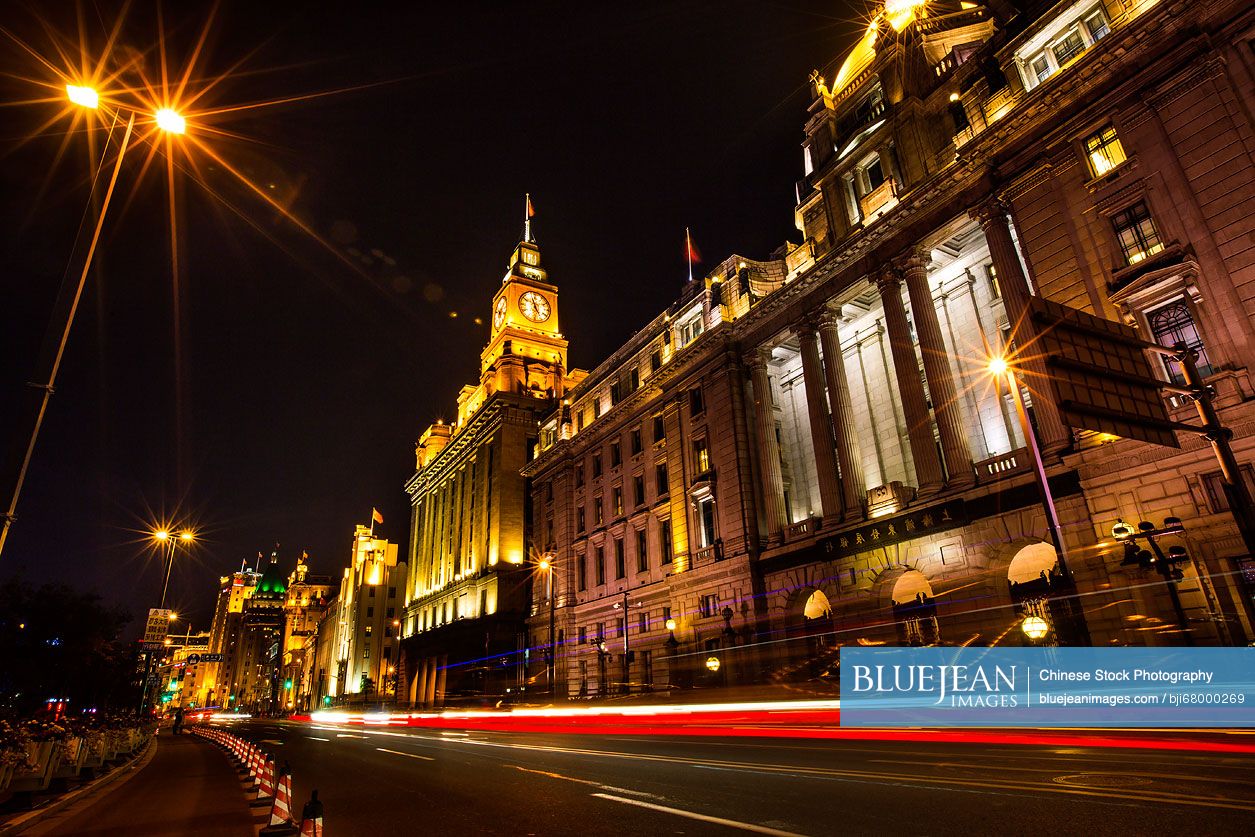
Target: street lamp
(546, 564)
(1002, 370)
(713, 664)
(627, 651)
(1155, 558)
(43, 383)
(163, 537)
(1035, 627)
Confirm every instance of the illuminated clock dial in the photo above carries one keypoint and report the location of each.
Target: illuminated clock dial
(534, 306)
(498, 313)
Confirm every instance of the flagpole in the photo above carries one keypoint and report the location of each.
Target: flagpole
(688, 251)
(527, 216)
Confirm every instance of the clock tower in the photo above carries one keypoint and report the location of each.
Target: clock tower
(526, 352)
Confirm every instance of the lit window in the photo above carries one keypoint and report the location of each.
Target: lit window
(1172, 324)
(1136, 233)
(1068, 47)
(1104, 151)
(1097, 26)
(1041, 67)
(701, 456)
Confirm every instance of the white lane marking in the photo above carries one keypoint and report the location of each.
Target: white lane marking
(408, 755)
(693, 815)
(348, 735)
(316, 738)
(271, 741)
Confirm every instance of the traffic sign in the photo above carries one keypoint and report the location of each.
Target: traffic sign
(193, 659)
(210, 658)
(157, 626)
(1101, 376)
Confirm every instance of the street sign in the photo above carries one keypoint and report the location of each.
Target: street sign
(158, 625)
(210, 658)
(193, 659)
(1101, 376)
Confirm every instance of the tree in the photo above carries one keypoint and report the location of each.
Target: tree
(59, 642)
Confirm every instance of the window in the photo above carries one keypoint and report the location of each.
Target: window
(642, 551)
(579, 475)
(370, 611)
(616, 393)
(1172, 324)
(392, 611)
(620, 570)
(1135, 232)
(660, 429)
(991, 273)
(579, 519)
(1104, 151)
(392, 594)
(666, 614)
(601, 565)
(638, 490)
(618, 627)
(581, 573)
(387, 631)
(660, 480)
(617, 496)
(635, 440)
(664, 540)
(706, 520)
(1096, 25)
(1213, 484)
(1068, 47)
(596, 465)
(371, 594)
(616, 455)
(599, 516)
(634, 379)
(701, 456)
(697, 405)
(655, 361)
(583, 635)
(642, 623)
(483, 602)
(369, 629)
(708, 605)
(596, 408)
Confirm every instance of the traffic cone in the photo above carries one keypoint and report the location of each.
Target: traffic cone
(265, 784)
(281, 808)
(311, 817)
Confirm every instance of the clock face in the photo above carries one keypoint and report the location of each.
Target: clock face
(498, 313)
(534, 306)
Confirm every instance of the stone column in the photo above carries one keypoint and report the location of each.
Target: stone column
(919, 429)
(849, 456)
(1031, 368)
(954, 446)
(821, 430)
(772, 481)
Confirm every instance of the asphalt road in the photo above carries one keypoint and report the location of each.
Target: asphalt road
(377, 781)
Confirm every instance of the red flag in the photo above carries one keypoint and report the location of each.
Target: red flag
(531, 210)
(376, 516)
(691, 249)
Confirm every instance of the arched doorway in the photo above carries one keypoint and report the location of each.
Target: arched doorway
(914, 609)
(1038, 588)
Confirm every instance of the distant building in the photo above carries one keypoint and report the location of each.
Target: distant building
(367, 627)
(307, 599)
(261, 639)
(471, 551)
(224, 639)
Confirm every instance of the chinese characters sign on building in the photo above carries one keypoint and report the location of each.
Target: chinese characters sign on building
(157, 627)
(890, 530)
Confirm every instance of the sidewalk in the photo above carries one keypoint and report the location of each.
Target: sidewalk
(189, 787)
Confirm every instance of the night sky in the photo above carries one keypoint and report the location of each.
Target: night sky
(308, 365)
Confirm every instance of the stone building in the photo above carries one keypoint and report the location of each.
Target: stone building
(255, 670)
(306, 600)
(366, 629)
(224, 637)
(865, 479)
(642, 494)
(471, 551)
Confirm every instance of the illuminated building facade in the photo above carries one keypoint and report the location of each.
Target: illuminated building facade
(366, 629)
(965, 158)
(307, 598)
(471, 546)
(224, 637)
(643, 496)
(865, 480)
(259, 653)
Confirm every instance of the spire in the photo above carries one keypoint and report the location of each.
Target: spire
(528, 212)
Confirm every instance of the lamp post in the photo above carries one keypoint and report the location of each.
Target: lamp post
(546, 563)
(627, 648)
(1000, 369)
(1035, 628)
(43, 382)
(166, 540)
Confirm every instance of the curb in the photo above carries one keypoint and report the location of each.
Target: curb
(81, 796)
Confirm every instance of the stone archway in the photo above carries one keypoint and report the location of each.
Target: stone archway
(914, 609)
(1037, 588)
